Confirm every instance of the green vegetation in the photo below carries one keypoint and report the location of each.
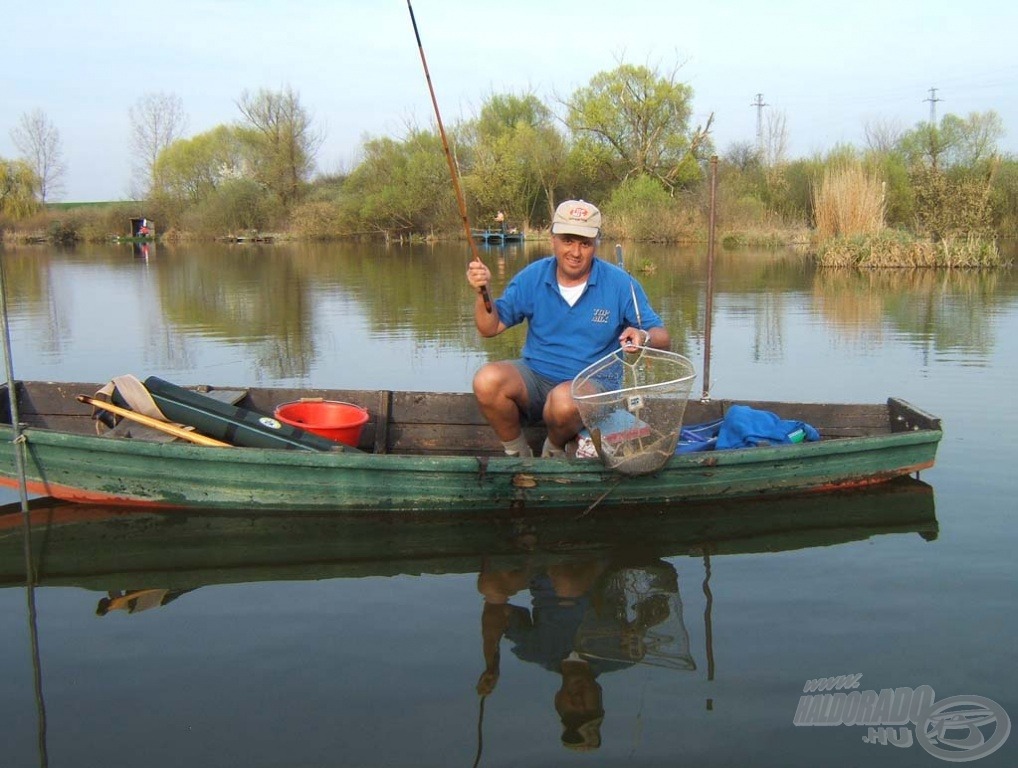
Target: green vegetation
(932, 195)
(892, 248)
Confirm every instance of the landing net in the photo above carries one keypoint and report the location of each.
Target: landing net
(632, 403)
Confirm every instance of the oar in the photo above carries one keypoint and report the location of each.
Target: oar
(148, 421)
(448, 156)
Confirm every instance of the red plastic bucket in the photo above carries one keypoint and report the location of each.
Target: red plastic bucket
(335, 420)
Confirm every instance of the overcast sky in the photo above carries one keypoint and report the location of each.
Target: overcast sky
(828, 67)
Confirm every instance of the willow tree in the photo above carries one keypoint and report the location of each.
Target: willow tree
(18, 187)
(638, 120)
(518, 157)
(283, 140)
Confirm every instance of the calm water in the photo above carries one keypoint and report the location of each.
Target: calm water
(317, 642)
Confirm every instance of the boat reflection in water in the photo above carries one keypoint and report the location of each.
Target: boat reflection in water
(582, 595)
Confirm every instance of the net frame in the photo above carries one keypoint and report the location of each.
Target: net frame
(632, 402)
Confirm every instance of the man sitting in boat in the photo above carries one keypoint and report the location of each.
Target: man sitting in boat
(578, 309)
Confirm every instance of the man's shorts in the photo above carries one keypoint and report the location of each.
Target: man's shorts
(538, 388)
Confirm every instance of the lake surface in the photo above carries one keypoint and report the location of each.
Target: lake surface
(172, 641)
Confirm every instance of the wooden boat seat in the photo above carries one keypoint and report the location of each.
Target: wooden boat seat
(128, 428)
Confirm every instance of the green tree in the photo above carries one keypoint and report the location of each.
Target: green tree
(640, 208)
(518, 157)
(282, 138)
(401, 185)
(641, 118)
(189, 170)
(236, 205)
(1004, 197)
(948, 207)
(974, 139)
(18, 188)
(956, 143)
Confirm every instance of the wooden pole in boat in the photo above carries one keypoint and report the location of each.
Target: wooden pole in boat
(709, 308)
(460, 200)
(148, 421)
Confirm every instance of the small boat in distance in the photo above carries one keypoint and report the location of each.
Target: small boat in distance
(497, 237)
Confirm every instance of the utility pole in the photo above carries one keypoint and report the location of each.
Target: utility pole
(933, 105)
(759, 104)
(934, 148)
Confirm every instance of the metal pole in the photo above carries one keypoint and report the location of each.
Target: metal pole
(709, 309)
(12, 391)
(19, 461)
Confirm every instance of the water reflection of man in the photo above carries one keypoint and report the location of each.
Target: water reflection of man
(546, 635)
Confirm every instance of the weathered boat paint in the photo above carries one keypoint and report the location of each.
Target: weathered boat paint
(421, 474)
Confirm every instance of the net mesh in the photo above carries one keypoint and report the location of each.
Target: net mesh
(632, 403)
(638, 620)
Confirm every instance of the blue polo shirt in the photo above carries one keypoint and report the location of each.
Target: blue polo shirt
(563, 340)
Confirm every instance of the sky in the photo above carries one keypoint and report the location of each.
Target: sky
(829, 69)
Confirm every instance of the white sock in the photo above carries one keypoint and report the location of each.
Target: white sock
(550, 450)
(518, 447)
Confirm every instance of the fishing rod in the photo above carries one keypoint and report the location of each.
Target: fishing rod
(460, 200)
(632, 289)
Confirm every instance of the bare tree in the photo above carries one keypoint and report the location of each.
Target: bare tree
(38, 141)
(157, 120)
(743, 155)
(775, 139)
(883, 135)
(283, 139)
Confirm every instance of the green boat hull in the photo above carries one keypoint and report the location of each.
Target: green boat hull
(91, 469)
(405, 472)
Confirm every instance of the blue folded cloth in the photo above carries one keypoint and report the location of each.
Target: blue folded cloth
(745, 427)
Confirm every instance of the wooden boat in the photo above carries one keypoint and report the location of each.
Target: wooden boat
(430, 452)
(105, 548)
